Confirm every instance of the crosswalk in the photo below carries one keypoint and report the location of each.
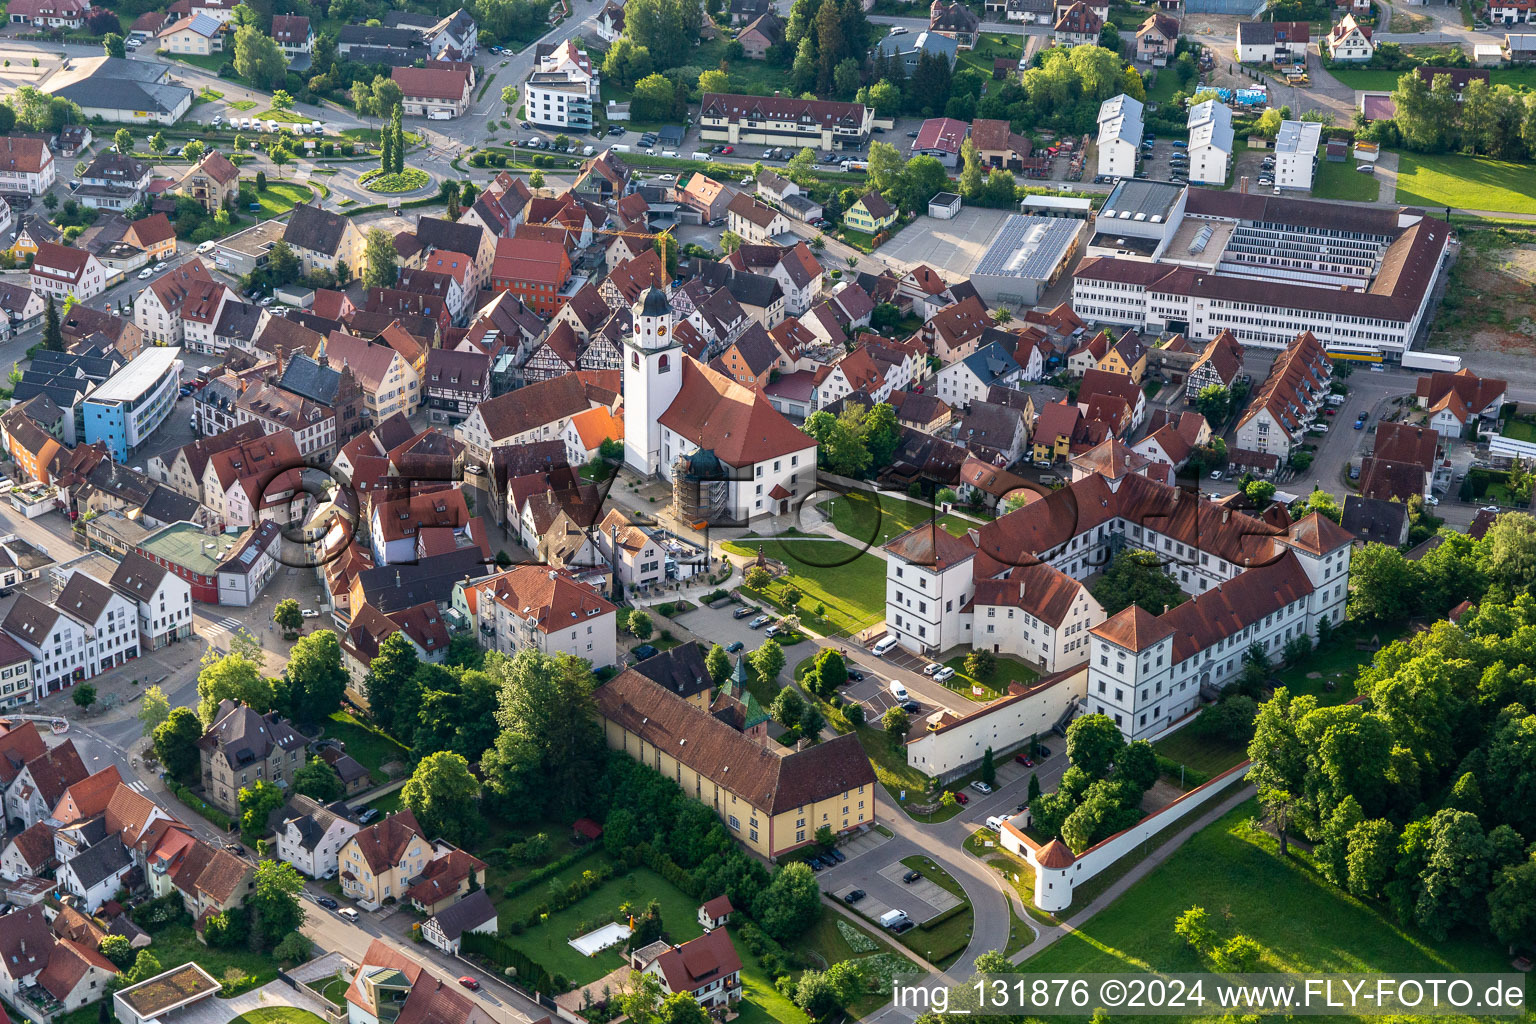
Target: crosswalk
(229, 624)
(139, 786)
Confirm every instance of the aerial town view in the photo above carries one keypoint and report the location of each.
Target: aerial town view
(794, 511)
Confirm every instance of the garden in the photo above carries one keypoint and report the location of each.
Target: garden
(1340, 180)
(368, 745)
(847, 584)
(408, 180)
(991, 672)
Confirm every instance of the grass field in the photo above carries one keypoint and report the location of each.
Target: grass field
(278, 1015)
(177, 944)
(851, 583)
(367, 745)
(1201, 753)
(1466, 182)
(749, 77)
(283, 116)
(989, 47)
(335, 989)
(1303, 924)
(1377, 80)
(1007, 671)
(546, 943)
(876, 518)
(281, 196)
(1339, 663)
(1342, 181)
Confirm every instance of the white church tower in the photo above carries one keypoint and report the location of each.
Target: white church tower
(653, 373)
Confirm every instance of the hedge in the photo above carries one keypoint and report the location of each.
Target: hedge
(938, 919)
(533, 878)
(201, 806)
(529, 974)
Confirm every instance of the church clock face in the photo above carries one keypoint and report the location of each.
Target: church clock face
(661, 331)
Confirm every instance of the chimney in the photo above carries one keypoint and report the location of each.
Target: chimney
(1226, 513)
(397, 577)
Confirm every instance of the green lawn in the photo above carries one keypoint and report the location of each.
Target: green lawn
(876, 518)
(278, 1015)
(281, 196)
(212, 62)
(1209, 757)
(996, 684)
(1376, 80)
(334, 989)
(242, 105)
(177, 944)
(761, 1002)
(1303, 924)
(1518, 429)
(990, 46)
(283, 116)
(748, 77)
(1466, 182)
(389, 803)
(849, 582)
(1342, 181)
(546, 943)
(367, 745)
(1339, 663)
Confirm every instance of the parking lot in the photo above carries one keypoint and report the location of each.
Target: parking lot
(884, 890)
(717, 626)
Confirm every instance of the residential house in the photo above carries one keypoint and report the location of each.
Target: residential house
(1286, 403)
(761, 34)
(473, 913)
(158, 309)
(637, 559)
(435, 93)
(1077, 25)
(941, 138)
(454, 384)
(197, 36)
(293, 34)
(871, 214)
(753, 221)
(1220, 365)
(538, 412)
(390, 984)
(59, 272)
(1266, 42)
(1211, 142)
(322, 239)
(378, 862)
(42, 781)
(1456, 402)
(1350, 42)
(113, 181)
(707, 968)
(533, 270)
(26, 165)
(784, 121)
(548, 610)
(241, 747)
(215, 182)
(87, 629)
(562, 89)
(1156, 39)
(310, 835)
(970, 378)
(953, 21)
(164, 600)
(1120, 132)
(706, 197)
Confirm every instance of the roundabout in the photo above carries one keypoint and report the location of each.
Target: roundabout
(412, 179)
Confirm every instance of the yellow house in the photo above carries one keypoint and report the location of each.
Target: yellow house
(1058, 424)
(1127, 357)
(199, 34)
(871, 215)
(32, 231)
(154, 235)
(378, 863)
(771, 798)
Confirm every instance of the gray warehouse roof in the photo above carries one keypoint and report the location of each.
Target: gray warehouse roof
(113, 83)
(1028, 247)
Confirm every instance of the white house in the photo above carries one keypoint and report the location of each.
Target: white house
(96, 874)
(561, 90)
(60, 271)
(473, 913)
(310, 835)
(158, 309)
(1120, 131)
(1296, 148)
(545, 609)
(1350, 41)
(1210, 142)
(163, 598)
(968, 380)
(89, 628)
(633, 552)
(26, 165)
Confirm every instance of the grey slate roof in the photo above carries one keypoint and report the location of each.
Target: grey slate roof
(242, 736)
(436, 233)
(754, 290)
(103, 860)
(315, 229)
(169, 506)
(471, 911)
(309, 817)
(83, 598)
(309, 379)
(115, 83)
(137, 578)
(680, 670)
(991, 363)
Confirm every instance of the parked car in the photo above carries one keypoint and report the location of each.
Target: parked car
(236, 849)
(1266, 180)
(932, 668)
(1180, 144)
(728, 150)
(944, 674)
(981, 787)
(742, 612)
(759, 622)
(880, 649)
(911, 876)
(961, 798)
(911, 707)
(348, 913)
(855, 676)
(185, 392)
(773, 630)
(853, 896)
(327, 902)
(905, 926)
(644, 651)
(814, 863)
(146, 273)
(734, 646)
(469, 983)
(368, 815)
(1042, 751)
(1024, 760)
(911, 135)
(837, 855)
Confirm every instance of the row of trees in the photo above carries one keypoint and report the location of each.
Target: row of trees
(1490, 119)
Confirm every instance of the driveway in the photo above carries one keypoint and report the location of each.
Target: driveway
(717, 626)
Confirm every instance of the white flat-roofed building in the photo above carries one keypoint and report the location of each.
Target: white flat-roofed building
(1296, 148)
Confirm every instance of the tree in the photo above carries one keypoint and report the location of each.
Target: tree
(276, 901)
(768, 660)
(175, 741)
(801, 167)
(681, 1008)
(1229, 720)
(549, 737)
(756, 578)
(787, 707)
(730, 241)
(122, 141)
(316, 678)
(536, 179)
(318, 781)
(653, 96)
(1383, 587)
(790, 904)
(980, 664)
(667, 28)
(257, 800)
(844, 451)
(988, 767)
(1034, 787)
(811, 723)
(640, 624)
(897, 723)
(154, 708)
(1321, 502)
(1259, 492)
(714, 81)
(1093, 743)
(885, 166)
(380, 259)
(1454, 885)
(831, 671)
(993, 962)
(282, 99)
(194, 150)
(232, 677)
(1136, 577)
(387, 684)
(146, 965)
(444, 796)
(1214, 402)
(294, 948)
(288, 615)
(258, 59)
(718, 664)
(157, 143)
(1194, 927)
(85, 696)
(1371, 858)
(508, 99)
(397, 136)
(53, 334)
(282, 262)
(113, 45)
(627, 63)
(1511, 905)
(117, 949)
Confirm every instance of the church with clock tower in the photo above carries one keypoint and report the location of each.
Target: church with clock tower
(731, 456)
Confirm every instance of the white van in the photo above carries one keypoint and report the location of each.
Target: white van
(884, 645)
(587, 150)
(995, 823)
(700, 155)
(893, 918)
(621, 148)
(899, 691)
